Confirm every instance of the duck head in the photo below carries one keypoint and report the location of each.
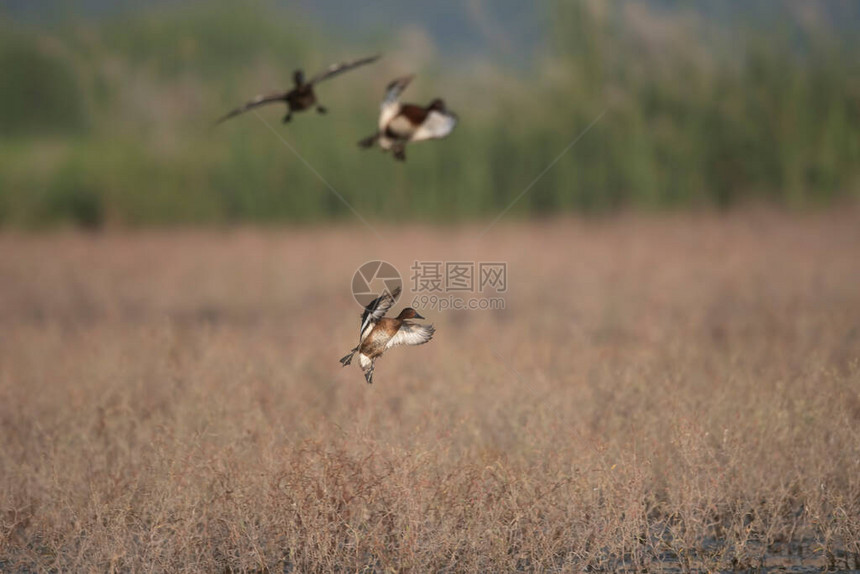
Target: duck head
(438, 105)
(299, 77)
(409, 313)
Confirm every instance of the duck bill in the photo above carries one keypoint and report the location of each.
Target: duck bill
(418, 316)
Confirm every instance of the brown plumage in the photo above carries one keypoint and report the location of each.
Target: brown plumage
(302, 96)
(379, 333)
(415, 114)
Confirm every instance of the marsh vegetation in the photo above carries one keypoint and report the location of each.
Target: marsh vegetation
(673, 393)
(109, 121)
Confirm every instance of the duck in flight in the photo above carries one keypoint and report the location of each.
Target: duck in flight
(379, 333)
(302, 96)
(400, 124)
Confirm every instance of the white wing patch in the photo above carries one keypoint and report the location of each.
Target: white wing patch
(387, 111)
(401, 127)
(436, 126)
(411, 334)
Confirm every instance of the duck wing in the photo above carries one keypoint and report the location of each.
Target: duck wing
(376, 310)
(260, 100)
(340, 68)
(411, 334)
(395, 88)
(437, 125)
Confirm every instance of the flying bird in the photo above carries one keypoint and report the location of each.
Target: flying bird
(400, 124)
(302, 96)
(379, 333)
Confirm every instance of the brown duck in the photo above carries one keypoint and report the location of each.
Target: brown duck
(379, 333)
(302, 96)
(400, 124)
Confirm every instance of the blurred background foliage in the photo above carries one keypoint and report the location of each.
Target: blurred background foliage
(106, 114)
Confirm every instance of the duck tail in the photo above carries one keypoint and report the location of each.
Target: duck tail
(348, 359)
(369, 142)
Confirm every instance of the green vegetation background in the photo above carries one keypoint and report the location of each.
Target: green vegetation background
(109, 122)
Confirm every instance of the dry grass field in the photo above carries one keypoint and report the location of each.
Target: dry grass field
(677, 393)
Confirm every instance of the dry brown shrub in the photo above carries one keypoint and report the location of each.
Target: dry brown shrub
(675, 393)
